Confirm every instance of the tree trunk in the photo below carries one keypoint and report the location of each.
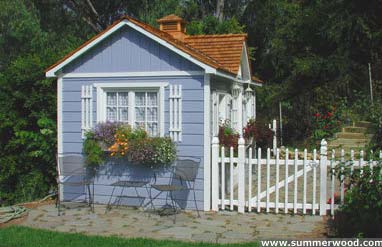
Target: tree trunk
(220, 9)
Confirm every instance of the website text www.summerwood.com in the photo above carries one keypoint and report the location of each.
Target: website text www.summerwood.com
(322, 243)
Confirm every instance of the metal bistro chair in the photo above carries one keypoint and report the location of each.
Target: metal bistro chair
(73, 181)
(185, 172)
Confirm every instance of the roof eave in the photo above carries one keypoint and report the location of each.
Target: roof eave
(209, 67)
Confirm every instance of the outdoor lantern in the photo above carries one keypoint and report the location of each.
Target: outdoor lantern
(248, 93)
(236, 89)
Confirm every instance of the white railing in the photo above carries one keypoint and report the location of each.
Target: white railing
(293, 185)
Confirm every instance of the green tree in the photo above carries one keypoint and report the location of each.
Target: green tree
(27, 106)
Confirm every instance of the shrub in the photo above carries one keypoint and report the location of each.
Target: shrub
(325, 124)
(361, 213)
(259, 132)
(94, 154)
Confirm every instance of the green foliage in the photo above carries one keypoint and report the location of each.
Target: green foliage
(361, 214)
(94, 154)
(317, 50)
(325, 124)
(164, 150)
(153, 151)
(211, 25)
(228, 137)
(130, 144)
(260, 132)
(361, 108)
(28, 102)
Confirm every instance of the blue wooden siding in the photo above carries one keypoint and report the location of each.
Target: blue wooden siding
(191, 146)
(127, 50)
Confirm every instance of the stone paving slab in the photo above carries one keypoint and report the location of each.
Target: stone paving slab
(225, 227)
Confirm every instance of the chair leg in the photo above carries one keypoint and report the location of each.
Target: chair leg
(173, 206)
(90, 197)
(108, 206)
(196, 204)
(150, 198)
(93, 198)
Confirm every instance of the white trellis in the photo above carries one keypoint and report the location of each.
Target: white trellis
(175, 101)
(86, 109)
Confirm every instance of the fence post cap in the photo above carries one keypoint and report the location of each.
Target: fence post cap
(215, 140)
(324, 142)
(241, 141)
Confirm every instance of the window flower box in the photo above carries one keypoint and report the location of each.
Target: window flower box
(119, 140)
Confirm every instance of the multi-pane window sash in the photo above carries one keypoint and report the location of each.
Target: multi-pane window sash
(117, 106)
(145, 107)
(146, 111)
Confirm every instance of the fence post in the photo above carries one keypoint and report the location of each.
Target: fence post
(241, 175)
(274, 129)
(323, 176)
(215, 174)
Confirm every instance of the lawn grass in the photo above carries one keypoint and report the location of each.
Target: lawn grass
(18, 236)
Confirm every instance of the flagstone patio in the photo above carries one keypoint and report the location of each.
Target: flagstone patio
(222, 227)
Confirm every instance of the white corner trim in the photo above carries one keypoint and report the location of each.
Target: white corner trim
(207, 144)
(52, 72)
(59, 116)
(134, 74)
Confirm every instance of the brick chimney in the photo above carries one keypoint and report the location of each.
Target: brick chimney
(173, 25)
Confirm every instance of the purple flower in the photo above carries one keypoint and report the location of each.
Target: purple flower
(105, 132)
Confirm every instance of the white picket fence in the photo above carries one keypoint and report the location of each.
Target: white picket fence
(243, 182)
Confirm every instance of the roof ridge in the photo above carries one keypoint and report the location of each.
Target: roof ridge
(218, 35)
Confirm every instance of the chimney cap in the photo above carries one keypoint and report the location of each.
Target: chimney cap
(170, 18)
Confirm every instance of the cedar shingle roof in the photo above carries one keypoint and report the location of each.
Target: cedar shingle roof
(226, 48)
(221, 52)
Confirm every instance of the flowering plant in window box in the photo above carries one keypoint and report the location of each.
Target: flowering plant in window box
(121, 141)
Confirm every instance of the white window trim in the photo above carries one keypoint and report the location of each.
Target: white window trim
(102, 88)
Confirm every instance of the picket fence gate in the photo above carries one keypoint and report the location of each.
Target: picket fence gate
(244, 182)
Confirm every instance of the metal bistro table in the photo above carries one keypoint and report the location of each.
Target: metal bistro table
(123, 184)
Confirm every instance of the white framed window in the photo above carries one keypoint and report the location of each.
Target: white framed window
(138, 104)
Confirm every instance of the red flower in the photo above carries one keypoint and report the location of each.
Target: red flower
(330, 114)
(316, 114)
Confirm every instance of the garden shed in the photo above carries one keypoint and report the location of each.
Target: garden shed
(173, 84)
